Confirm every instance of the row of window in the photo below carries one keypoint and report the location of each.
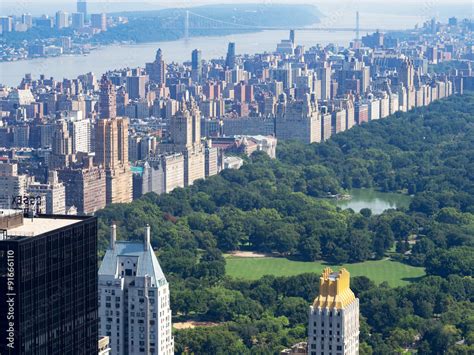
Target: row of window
(330, 324)
(330, 332)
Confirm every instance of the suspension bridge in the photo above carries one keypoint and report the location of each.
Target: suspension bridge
(192, 21)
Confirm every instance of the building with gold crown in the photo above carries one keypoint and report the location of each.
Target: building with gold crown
(334, 317)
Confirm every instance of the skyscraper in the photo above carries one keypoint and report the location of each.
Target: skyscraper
(196, 65)
(99, 21)
(325, 76)
(62, 146)
(157, 69)
(111, 146)
(407, 74)
(78, 20)
(82, 7)
(134, 299)
(185, 138)
(334, 316)
(6, 24)
(62, 20)
(107, 99)
(292, 36)
(136, 85)
(112, 153)
(27, 19)
(48, 284)
(230, 59)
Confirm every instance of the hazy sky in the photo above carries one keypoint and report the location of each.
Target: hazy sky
(438, 8)
(200, 2)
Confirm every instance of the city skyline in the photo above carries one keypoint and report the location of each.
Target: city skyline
(183, 182)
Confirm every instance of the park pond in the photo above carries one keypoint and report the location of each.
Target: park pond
(375, 200)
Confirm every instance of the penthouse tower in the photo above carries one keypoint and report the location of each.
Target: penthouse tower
(334, 316)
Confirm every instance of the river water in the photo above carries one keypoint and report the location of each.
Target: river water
(375, 200)
(134, 55)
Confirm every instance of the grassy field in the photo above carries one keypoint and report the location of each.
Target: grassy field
(395, 273)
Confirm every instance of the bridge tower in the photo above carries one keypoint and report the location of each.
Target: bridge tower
(186, 25)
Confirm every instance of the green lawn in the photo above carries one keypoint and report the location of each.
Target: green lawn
(395, 273)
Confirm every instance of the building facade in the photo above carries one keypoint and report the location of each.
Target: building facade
(48, 274)
(134, 299)
(85, 188)
(111, 150)
(334, 317)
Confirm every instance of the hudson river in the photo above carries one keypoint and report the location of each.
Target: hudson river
(134, 55)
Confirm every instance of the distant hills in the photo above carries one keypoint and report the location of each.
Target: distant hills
(168, 24)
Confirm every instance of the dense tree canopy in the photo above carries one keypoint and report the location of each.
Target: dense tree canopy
(281, 206)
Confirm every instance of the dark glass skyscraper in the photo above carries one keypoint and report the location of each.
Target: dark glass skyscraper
(196, 64)
(48, 284)
(230, 59)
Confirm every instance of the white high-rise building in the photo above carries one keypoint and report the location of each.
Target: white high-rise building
(334, 317)
(53, 191)
(81, 131)
(134, 299)
(62, 20)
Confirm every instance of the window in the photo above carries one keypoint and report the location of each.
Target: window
(339, 347)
